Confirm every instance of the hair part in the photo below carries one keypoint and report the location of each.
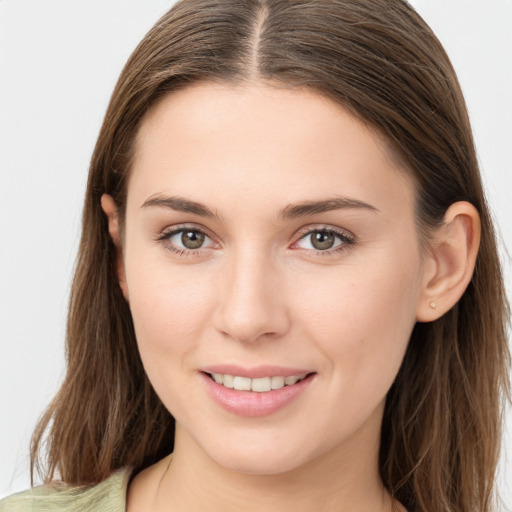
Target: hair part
(441, 430)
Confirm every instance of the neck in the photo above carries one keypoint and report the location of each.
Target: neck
(343, 480)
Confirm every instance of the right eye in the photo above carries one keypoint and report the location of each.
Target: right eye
(184, 240)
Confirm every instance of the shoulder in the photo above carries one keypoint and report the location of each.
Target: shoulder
(107, 496)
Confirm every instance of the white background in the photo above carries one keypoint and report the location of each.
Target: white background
(59, 61)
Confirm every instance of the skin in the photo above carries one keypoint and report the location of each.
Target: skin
(257, 292)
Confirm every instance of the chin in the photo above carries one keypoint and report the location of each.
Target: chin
(261, 456)
(259, 464)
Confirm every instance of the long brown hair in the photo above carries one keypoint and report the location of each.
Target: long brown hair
(442, 424)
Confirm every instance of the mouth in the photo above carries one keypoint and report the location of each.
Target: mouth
(256, 385)
(258, 391)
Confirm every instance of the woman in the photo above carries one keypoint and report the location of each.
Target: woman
(287, 294)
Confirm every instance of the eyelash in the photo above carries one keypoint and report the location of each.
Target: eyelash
(346, 240)
(166, 235)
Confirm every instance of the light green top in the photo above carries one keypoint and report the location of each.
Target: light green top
(107, 496)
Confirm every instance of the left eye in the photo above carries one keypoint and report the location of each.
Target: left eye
(322, 240)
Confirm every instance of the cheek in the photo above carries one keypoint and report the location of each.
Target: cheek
(169, 310)
(362, 319)
(169, 306)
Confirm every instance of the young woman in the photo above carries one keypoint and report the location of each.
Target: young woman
(287, 294)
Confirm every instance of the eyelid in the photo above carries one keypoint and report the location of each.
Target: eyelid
(345, 236)
(312, 228)
(167, 233)
(174, 228)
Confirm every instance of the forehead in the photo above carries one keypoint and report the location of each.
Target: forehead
(259, 138)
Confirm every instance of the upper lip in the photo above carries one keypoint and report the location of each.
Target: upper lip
(255, 372)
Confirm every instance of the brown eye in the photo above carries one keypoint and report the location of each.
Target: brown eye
(322, 240)
(192, 239)
(187, 240)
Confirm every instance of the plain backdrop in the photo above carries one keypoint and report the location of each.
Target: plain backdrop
(59, 61)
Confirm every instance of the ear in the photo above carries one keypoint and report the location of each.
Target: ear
(450, 261)
(110, 209)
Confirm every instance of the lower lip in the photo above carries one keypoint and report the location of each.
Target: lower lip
(253, 404)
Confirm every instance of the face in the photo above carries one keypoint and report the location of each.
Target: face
(273, 272)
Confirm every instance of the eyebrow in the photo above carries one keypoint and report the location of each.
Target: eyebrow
(179, 204)
(293, 211)
(290, 211)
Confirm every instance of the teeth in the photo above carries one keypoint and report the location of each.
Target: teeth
(277, 382)
(259, 385)
(242, 383)
(227, 381)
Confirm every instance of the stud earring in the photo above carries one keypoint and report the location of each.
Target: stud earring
(433, 305)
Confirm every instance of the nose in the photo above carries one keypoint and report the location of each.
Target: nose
(251, 302)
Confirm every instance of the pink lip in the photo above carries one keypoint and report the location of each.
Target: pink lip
(255, 372)
(252, 404)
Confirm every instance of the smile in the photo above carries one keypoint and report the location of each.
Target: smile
(257, 392)
(258, 385)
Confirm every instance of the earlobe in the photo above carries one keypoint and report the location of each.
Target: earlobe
(109, 207)
(450, 262)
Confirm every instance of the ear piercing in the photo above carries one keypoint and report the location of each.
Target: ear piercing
(433, 305)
